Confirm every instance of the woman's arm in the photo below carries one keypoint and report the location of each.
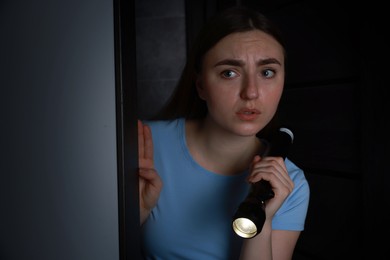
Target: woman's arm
(271, 244)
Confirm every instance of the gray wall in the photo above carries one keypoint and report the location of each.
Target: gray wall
(161, 51)
(58, 171)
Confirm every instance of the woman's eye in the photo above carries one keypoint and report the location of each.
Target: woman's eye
(268, 73)
(229, 74)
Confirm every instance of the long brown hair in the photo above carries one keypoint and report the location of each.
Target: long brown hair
(185, 101)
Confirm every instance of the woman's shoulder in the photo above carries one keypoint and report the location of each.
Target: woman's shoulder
(296, 173)
(164, 124)
(165, 131)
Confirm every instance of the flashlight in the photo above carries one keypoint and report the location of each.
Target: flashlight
(249, 218)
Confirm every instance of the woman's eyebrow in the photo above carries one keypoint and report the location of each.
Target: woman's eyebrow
(268, 61)
(240, 63)
(231, 62)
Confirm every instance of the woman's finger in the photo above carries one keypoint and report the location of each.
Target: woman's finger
(148, 143)
(272, 170)
(140, 140)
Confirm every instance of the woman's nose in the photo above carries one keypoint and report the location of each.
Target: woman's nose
(250, 88)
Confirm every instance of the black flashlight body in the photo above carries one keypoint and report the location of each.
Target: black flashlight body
(249, 219)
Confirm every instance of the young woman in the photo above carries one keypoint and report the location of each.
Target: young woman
(199, 157)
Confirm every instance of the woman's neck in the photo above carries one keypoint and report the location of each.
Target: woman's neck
(220, 151)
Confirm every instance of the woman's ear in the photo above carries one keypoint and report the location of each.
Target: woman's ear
(199, 87)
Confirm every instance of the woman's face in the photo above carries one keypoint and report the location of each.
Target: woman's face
(242, 80)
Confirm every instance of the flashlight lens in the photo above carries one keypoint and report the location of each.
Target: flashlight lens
(244, 227)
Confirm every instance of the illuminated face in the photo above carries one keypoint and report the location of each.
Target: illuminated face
(242, 81)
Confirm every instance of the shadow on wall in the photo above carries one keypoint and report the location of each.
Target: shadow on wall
(161, 51)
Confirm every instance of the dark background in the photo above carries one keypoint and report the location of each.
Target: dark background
(334, 101)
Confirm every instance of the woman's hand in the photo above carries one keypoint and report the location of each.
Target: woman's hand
(150, 183)
(272, 169)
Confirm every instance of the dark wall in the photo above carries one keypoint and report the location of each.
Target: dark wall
(161, 50)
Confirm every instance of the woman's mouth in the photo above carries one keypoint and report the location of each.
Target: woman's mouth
(248, 114)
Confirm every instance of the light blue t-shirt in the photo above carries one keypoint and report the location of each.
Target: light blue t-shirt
(193, 216)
